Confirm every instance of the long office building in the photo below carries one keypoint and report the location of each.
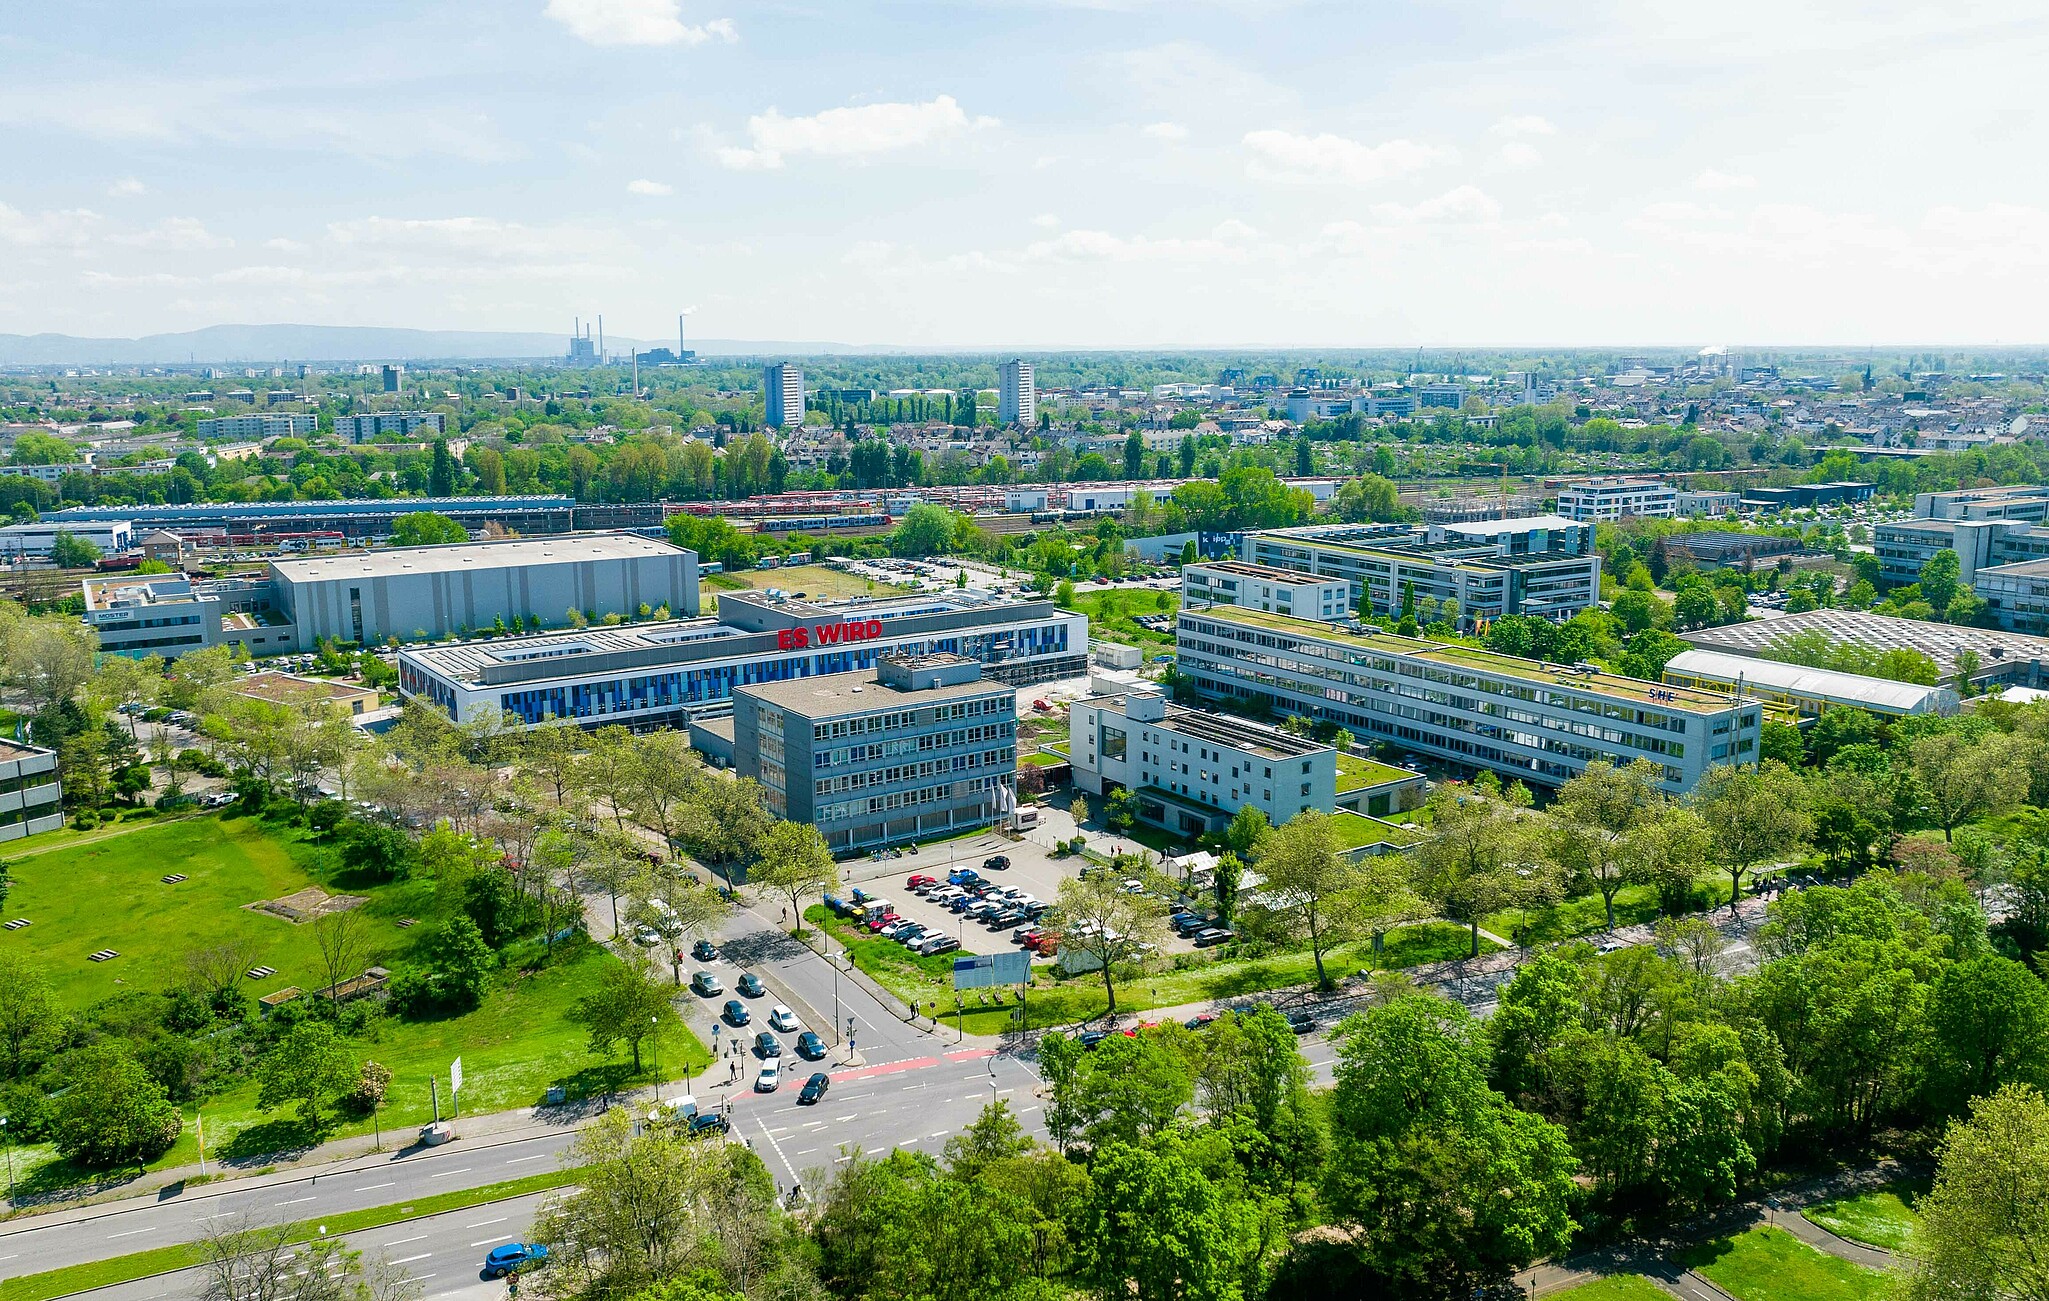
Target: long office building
(1543, 723)
(919, 746)
(356, 518)
(1608, 500)
(663, 674)
(1544, 566)
(1806, 692)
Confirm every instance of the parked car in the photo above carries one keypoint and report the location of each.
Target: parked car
(921, 883)
(783, 1019)
(706, 985)
(1199, 1020)
(514, 1255)
(939, 944)
(709, 1122)
(996, 862)
(814, 1089)
(1215, 935)
(750, 985)
(771, 1077)
(767, 1045)
(810, 1047)
(963, 876)
(736, 1012)
(1090, 1038)
(1025, 934)
(881, 920)
(910, 933)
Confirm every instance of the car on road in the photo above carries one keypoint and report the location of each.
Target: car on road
(810, 1047)
(767, 1045)
(646, 936)
(704, 951)
(736, 1012)
(749, 984)
(771, 1077)
(706, 985)
(1213, 936)
(1301, 1022)
(709, 1122)
(814, 1088)
(920, 883)
(996, 862)
(514, 1255)
(783, 1019)
(1090, 1038)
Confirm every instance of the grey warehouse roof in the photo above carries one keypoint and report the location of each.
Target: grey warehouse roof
(1826, 684)
(513, 553)
(1938, 641)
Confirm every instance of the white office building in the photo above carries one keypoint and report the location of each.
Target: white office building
(1706, 504)
(1606, 500)
(40, 538)
(1017, 396)
(236, 428)
(1263, 587)
(783, 395)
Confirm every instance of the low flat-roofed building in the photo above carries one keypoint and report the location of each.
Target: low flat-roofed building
(1265, 587)
(1190, 770)
(1543, 723)
(918, 746)
(1716, 549)
(291, 689)
(2001, 657)
(1607, 500)
(1707, 503)
(1807, 691)
(39, 539)
(31, 797)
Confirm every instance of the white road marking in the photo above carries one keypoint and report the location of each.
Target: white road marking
(941, 1134)
(481, 1241)
(483, 1223)
(769, 1134)
(449, 1174)
(295, 1201)
(407, 1260)
(841, 1120)
(403, 1241)
(131, 1233)
(538, 1157)
(367, 1188)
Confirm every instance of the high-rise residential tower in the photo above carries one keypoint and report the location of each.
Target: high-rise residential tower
(784, 394)
(1017, 399)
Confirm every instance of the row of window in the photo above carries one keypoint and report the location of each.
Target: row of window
(904, 719)
(1002, 757)
(950, 790)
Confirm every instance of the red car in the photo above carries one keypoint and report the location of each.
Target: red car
(921, 882)
(877, 923)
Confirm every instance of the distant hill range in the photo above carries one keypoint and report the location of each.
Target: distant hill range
(271, 344)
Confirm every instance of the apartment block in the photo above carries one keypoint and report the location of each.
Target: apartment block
(234, 428)
(1608, 500)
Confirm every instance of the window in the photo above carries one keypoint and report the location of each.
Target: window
(1305, 789)
(1113, 742)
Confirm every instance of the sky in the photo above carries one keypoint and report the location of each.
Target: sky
(1035, 173)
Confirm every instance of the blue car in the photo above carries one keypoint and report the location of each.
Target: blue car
(514, 1255)
(963, 876)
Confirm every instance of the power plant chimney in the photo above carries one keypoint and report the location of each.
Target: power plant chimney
(601, 338)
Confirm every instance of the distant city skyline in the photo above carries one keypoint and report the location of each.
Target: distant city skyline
(1049, 174)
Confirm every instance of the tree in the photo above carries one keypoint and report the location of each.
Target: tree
(1475, 861)
(794, 863)
(1134, 455)
(1078, 809)
(441, 477)
(1940, 574)
(341, 939)
(426, 528)
(1753, 815)
(458, 963)
(1988, 1024)
(1104, 925)
(1637, 610)
(994, 1136)
(1967, 779)
(26, 1007)
(378, 850)
(1780, 743)
(1315, 888)
(242, 1260)
(628, 1005)
(309, 1066)
(926, 530)
(1602, 824)
(69, 551)
(1155, 1227)
(114, 1113)
(1248, 827)
(1983, 1228)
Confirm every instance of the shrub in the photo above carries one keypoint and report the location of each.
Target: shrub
(371, 1082)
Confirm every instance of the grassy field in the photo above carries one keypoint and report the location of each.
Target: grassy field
(1883, 1218)
(1615, 1287)
(812, 580)
(927, 982)
(1583, 916)
(1110, 617)
(1767, 1264)
(107, 894)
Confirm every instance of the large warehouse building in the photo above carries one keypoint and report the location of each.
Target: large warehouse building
(367, 518)
(663, 674)
(412, 593)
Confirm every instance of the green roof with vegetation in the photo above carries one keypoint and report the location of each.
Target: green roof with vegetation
(1357, 774)
(1357, 831)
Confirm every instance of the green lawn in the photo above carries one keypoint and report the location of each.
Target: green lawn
(1766, 1264)
(1357, 831)
(108, 895)
(1883, 1218)
(1615, 1287)
(1110, 617)
(1356, 773)
(1043, 759)
(927, 982)
(1585, 915)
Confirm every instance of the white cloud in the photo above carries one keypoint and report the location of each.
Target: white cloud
(1714, 180)
(70, 226)
(126, 188)
(636, 22)
(1525, 124)
(283, 245)
(1233, 229)
(1046, 220)
(1998, 223)
(147, 280)
(653, 189)
(1230, 241)
(1283, 156)
(1465, 204)
(1164, 131)
(850, 132)
(1520, 155)
(174, 233)
(485, 237)
(1682, 210)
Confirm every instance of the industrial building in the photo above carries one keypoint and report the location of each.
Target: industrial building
(1544, 565)
(40, 539)
(1190, 770)
(31, 797)
(411, 593)
(1990, 656)
(1804, 691)
(361, 518)
(918, 746)
(1263, 587)
(1716, 549)
(1543, 723)
(665, 674)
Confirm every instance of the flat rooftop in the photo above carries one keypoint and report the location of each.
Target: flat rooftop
(289, 688)
(1523, 524)
(859, 692)
(1798, 678)
(1224, 729)
(1267, 573)
(1564, 676)
(510, 553)
(1940, 642)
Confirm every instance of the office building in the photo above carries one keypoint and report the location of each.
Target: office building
(1608, 500)
(1190, 770)
(1806, 494)
(411, 593)
(355, 519)
(392, 376)
(405, 424)
(1544, 565)
(31, 796)
(1264, 587)
(2028, 502)
(918, 746)
(237, 428)
(1803, 691)
(1707, 504)
(1017, 396)
(783, 395)
(38, 540)
(665, 674)
(1543, 723)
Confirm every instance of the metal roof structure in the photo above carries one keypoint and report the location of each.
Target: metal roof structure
(1856, 690)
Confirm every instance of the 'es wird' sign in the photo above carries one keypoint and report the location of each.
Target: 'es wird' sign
(828, 634)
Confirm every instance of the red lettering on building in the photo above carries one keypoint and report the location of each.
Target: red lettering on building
(828, 634)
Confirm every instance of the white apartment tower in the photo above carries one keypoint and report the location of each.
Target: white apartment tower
(784, 394)
(1017, 397)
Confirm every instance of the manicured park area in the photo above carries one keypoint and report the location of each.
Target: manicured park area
(1766, 1264)
(1615, 1287)
(1881, 1218)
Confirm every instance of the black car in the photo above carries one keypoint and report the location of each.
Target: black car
(814, 1088)
(766, 1045)
(1090, 1038)
(749, 985)
(1301, 1022)
(736, 1012)
(704, 951)
(1212, 937)
(809, 1046)
(996, 863)
(709, 1122)
(1007, 918)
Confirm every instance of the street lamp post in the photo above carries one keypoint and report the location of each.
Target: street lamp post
(654, 1037)
(9, 1137)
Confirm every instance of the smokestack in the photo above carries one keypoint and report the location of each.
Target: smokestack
(679, 336)
(601, 338)
(636, 373)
